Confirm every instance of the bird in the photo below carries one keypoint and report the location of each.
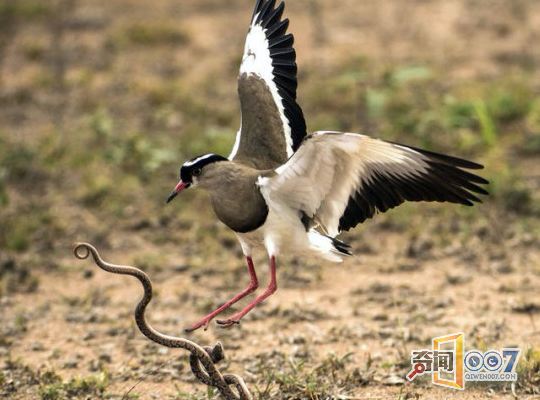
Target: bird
(284, 191)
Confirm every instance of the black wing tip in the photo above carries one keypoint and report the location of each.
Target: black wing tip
(257, 9)
(480, 190)
(264, 8)
(445, 158)
(455, 161)
(445, 181)
(482, 181)
(477, 166)
(465, 181)
(467, 164)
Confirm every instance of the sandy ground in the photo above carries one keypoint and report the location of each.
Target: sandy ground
(378, 306)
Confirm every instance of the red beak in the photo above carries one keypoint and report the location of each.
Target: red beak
(180, 187)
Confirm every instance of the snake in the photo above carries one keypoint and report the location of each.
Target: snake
(202, 359)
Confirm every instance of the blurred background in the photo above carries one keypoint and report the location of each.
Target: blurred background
(102, 101)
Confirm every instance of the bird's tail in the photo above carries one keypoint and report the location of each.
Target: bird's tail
(330, 247)
(341, 247)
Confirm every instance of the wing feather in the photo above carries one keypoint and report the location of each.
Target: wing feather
(341, 179)
(273, 125)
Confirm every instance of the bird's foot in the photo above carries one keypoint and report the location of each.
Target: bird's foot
(203, 323)
(228, 323)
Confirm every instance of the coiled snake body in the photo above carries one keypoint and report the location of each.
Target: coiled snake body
(200, 357)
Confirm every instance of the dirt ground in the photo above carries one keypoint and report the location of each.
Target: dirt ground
(394, 297)
(331, 331)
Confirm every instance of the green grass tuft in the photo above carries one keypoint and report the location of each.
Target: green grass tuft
(529, 371)
(487, 125)
(25, 10)
(152, 34)
(54, 388)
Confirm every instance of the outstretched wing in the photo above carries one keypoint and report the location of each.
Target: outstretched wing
(339, 180)
(272, 126)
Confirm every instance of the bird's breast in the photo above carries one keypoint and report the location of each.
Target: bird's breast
(241, 207)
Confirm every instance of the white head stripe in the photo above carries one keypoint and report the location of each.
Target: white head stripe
(198, 159)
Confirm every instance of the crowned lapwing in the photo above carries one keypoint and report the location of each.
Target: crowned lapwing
(287, 191)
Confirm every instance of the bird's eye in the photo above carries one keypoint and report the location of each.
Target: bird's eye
(197, 172)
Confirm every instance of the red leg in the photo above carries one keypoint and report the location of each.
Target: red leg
(253, 285)
(270, 290)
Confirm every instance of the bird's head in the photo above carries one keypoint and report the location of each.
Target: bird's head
(193, 171)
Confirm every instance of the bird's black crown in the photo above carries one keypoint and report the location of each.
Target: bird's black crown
(194, 167)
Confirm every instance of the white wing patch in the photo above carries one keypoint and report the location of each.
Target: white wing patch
(236, 142)
(256, 59)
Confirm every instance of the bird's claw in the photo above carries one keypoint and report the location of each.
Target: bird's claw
(227, 323)
(202, 324)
